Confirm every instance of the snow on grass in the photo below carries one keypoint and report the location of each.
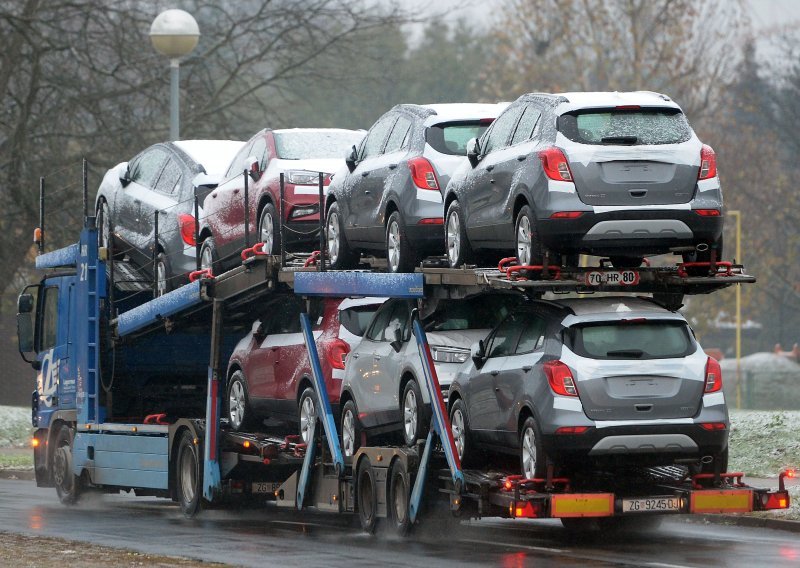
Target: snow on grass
(15, 427)
(762, 443)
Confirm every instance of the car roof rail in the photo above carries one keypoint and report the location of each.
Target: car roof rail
(661, 96)
(418, 110)
(549, 98)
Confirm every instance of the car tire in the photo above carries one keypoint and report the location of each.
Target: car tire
(340, 256)
(527, 246)
(103, 223)
(240, 413)
(306, 412)
(400, 255)
(459, 250)
(351, 429)
(411, 410)
(626, 261)
(209, 258)
(163, 275)
(533, 462)
(67, 484)
(188, 475)
(459, 425)
(269, 229)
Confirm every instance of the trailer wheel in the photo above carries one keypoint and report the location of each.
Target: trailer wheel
(366, 496)
(68, 485)
(398, 501)
(188, 475)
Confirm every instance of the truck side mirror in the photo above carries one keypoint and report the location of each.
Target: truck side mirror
(473, 151)
(352, 158)
(25, 303)
(478, 353)
(25, 326)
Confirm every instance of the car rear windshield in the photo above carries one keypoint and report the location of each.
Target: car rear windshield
(319, 144)
(452, 137)
(356, 319)
(478, 312)
(626, 126)
(646, 339)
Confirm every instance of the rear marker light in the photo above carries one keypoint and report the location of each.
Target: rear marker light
(572, 430)
(560, 378)
(188, 226)
(708, 163)
(555, 164)
(712, 426)
(708, 212)
(713, 376)
(566, 214)
(431, 221)
(423, 174)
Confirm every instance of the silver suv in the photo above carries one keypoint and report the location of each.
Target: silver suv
(612, 174)
(593, 381)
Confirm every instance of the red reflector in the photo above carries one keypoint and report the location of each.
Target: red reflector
(712, 426)
(708, 163)
(572, 430)
(566, 214)
(525, 511)
(337, 353)
(431, 221)
(188, 224)
(779, 500)
(555, 164)
(713, 375)
(708, 212)
(560, 378)
(423, 174)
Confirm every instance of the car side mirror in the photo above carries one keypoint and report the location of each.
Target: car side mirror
(352, 158)
(125, 177)
(254, 168)
(478, 353)
(397, 344)
(473, 151)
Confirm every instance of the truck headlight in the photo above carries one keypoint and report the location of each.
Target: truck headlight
(449, 354)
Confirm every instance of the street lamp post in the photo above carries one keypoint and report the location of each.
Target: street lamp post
(174, 33)
(738, 215)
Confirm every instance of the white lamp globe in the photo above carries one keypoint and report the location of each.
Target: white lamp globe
(174, 33)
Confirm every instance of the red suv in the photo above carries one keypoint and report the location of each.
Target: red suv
(300, 154)
(269, 373)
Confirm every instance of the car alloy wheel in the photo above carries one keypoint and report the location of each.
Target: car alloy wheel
(348, 432)
(524, 241)
(206, 258)
(410, 416)
(266, 230)
(236, 405)
(308, 414)
(333, 237)
(529, 453)
(104, 223)
(393, 252)
(453, 239)
(162, 286)
(457, 427)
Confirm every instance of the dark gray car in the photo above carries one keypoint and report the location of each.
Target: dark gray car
(612, 174)
(389, 197)
(592, 382)
(161, 178)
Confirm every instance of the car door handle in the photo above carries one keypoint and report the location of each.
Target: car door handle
(489, 168)
(137, 201)
(527, 368)
(377, 357)
(491, 180)
(235, 191)
(522, 158)
(354, 355)
(392, 166)
(494, 373)
(496, 389)
(366, 192)
(364, 174)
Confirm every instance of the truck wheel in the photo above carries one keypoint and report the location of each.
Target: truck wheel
(188, 475)
(398, 498)
(351, 430)
(366, 496)
(307, 411)
(240, 413)
(532, 459)
(68, 485)
(412, 413)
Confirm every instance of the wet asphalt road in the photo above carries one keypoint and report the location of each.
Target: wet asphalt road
(259, 537)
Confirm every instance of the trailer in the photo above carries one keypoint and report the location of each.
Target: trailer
(129, 397)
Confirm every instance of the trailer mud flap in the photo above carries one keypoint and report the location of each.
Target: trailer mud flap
(721, 501)
(582, 505)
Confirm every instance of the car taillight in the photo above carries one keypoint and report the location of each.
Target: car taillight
(337, 353)
(708, 212)
(713, 375)
(708, 163)
(560, 378)
(187, 223)
(423, 174)
(555, 164)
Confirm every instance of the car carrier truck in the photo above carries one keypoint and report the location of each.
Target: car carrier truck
(128, 398)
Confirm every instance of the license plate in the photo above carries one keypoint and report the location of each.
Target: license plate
(265, 487)
(651, 505)
(612, 277)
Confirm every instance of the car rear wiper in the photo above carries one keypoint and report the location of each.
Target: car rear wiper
(620, 140)
(632, 353)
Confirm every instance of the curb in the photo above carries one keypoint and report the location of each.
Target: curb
(746, 521)
(24, 474)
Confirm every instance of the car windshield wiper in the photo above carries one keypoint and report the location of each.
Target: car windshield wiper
(632, 353)
(619, 139)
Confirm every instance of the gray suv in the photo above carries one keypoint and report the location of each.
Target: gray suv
(389, 197)
(592, 382)
(612, 174)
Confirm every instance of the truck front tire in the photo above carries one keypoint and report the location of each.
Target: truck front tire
(68, 485)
